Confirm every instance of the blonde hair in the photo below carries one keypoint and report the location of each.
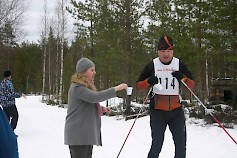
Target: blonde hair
(80, 78)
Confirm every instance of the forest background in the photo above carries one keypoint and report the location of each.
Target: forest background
(120, 36)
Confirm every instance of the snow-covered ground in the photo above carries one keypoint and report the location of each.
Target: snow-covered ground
(40, 135)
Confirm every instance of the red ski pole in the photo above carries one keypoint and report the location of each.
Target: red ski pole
(134, 121)
(208, 112)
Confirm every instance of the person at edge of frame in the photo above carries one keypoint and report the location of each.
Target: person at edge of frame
(8, 139)
(7, 99)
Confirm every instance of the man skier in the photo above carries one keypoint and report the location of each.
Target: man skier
(164, 74)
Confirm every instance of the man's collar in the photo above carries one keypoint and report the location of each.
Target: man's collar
(167, 62)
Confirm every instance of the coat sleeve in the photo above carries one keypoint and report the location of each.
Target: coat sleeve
(8, 140)
(90, 96)
(147, 72)
(188, 79)
(11, 92)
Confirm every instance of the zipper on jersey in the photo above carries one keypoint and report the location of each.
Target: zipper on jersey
(155, 100)
(169, 102)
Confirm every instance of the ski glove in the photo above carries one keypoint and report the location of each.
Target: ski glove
(152, 80)
(178, 75)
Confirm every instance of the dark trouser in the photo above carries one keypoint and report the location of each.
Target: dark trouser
(12, 115)
(81, 151)
(175, 119)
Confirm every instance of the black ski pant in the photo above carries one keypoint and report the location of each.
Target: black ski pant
(81, 151)
(159, 120)
(12, 115)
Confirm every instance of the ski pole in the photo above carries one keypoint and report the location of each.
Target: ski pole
(208, 112)
(134, 121)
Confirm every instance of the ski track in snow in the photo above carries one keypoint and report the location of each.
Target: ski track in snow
(40, 133)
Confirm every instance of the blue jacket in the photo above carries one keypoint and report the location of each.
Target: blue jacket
(7, 93)
(8, 139)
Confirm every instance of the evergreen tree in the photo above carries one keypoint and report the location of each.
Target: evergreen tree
(115, 33)
(27, 73)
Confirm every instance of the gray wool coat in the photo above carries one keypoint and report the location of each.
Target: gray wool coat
(83, 123)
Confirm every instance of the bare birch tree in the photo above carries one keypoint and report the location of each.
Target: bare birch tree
(11, 16)
(44, 34)
(62, 30)
(12, 11)
(57, 72)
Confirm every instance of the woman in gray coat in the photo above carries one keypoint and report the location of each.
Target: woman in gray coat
(83, 122)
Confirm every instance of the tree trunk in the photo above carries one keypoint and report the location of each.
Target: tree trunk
(128, 49)
(61, 58)
(45, 51)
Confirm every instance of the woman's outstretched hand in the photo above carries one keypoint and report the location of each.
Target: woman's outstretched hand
(122, 86)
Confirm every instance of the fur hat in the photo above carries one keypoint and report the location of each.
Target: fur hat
(165, 43)
(83, 64)
(7, 73)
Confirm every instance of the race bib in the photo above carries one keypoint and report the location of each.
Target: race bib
(169, 84)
